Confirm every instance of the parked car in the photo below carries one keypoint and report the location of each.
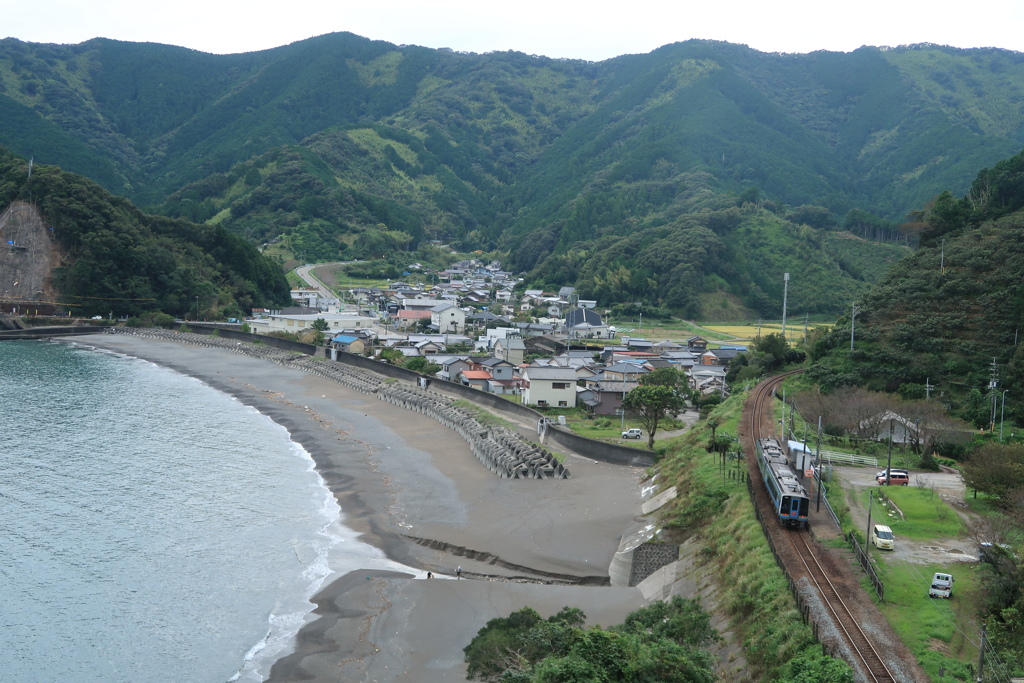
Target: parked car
(632, 433)
(895, 479)
(942, 586)
(882, 537)
(894, 470)
(992, 552)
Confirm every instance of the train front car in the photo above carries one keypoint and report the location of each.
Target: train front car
(789, 498)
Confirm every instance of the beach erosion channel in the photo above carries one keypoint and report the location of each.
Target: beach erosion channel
(412, 488)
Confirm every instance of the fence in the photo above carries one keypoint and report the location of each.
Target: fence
(801, 603)
(865, 562)
(828, 506)
(848, 458)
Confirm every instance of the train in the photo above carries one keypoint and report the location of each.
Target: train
(788, 495)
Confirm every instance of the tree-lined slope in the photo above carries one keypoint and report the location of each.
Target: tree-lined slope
(116, 259)
(332, 142)
(946, 313)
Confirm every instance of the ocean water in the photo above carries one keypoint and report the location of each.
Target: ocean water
(151, 527)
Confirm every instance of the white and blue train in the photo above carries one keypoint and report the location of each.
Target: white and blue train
(789, 498)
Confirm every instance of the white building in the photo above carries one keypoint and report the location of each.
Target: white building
(448, 318)
(549, 387)
(298, 322)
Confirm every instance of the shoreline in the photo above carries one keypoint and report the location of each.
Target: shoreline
(412, 488)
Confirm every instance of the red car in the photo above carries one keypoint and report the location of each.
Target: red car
(895, 479)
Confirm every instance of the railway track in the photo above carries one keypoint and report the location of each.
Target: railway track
(862, 655)
(846, 621)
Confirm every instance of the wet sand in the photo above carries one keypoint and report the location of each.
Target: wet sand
(412, 488)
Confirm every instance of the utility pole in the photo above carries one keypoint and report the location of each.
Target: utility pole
(888, 464)
(928, 388)
(817, 458)
(1002, 416)
(981, 655)
(853, 323)
(867, 535)
(785, 296)
(784, 438)
(758, 328)
(805, 328)
(993, 383)
(197, 307)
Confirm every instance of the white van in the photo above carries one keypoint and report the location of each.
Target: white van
(882, 537)
(942, 586)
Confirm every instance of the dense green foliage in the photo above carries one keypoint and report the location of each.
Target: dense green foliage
(119, 260)
(661, 643)
(945, 314)
(766, 355)
(713, 166)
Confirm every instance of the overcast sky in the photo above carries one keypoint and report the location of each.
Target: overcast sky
(555, 28)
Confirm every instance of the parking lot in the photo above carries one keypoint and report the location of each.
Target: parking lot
(950, 486)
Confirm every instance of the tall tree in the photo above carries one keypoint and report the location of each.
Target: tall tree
(651, 404)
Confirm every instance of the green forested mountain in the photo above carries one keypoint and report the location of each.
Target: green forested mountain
(952, 313)
(340, 144)
(115, 259)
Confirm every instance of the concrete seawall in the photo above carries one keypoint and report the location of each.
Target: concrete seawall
(49, 331)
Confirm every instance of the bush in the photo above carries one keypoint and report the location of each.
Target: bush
(156, 319)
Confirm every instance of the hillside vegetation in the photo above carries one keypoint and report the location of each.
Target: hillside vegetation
(116, 259)
(339, 146)
(950, 314)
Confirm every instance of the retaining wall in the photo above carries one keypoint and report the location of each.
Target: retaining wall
(276, 342)
(50, 331)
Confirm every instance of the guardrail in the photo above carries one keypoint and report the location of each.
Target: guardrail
(848, 458)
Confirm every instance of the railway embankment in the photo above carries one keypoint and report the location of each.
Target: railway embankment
(726, 562)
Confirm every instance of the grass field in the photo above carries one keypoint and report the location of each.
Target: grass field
(927, 515)
(938, 632)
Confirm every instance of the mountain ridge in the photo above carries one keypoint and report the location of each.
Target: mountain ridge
(328, 143)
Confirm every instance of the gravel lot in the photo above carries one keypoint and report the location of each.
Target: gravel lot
(948, 485)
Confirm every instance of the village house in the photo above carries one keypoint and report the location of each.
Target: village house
(478, 379)
(406, 319)
(549, 387)
(623, 372)
(605, 397)
(451, 366)
(697, 344)
(511, 349)
(707, 379)
(447, 318)
(720, 356)
(348, 344)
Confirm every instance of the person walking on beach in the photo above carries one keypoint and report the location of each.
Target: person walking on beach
(430, 575)
(458, 572)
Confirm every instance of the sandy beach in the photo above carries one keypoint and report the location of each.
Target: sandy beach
(412, 488)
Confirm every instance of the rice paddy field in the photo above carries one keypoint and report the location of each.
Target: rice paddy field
(794, 331)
